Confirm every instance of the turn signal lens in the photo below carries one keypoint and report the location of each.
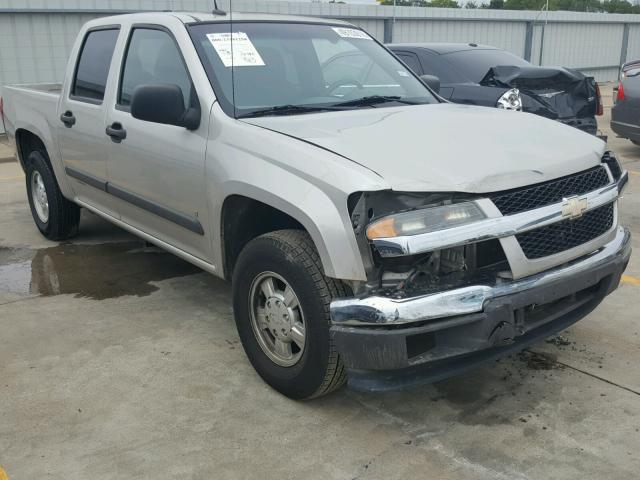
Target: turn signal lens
(425, 220)
(510, 100)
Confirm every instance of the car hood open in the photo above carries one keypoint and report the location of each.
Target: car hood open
(446, 147)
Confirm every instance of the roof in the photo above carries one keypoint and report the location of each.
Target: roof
(200, 17)
(262, 17)
(443, 48)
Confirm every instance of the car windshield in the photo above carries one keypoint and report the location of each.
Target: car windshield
(294, 68)
(475, 64)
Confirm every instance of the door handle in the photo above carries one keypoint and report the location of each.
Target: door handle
(116, 132)
(68, 119)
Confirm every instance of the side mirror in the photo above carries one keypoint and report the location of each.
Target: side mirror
(163, 104)
(431, 81)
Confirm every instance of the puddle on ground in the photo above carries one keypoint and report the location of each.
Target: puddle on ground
(92, 271)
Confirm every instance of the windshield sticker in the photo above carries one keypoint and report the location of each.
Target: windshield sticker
(403, 73)
(351, 33)
(243, 54)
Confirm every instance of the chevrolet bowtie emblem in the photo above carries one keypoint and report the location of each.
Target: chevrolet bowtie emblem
(574, 207)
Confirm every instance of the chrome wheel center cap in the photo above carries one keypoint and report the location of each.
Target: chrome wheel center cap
(278, 317)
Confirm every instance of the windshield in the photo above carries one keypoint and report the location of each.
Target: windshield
(476, 63)
(293, 68)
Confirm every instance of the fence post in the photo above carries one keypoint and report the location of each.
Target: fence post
(528, 40)
(388, 30)
(625, 44)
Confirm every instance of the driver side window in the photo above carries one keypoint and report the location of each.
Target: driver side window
(153, 58)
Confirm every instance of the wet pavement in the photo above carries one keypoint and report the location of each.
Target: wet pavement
(98, 271)
(121, 361)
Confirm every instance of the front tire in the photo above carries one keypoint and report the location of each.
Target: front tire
(281, 304)
(56, 217)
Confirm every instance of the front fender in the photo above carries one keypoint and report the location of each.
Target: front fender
(305, 182)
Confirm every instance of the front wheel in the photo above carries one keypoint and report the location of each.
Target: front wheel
(56, 217)
(281, 304)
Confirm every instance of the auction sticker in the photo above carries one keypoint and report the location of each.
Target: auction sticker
(236, 51)
(351, 33)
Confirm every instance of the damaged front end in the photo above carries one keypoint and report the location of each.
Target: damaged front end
(558, 93)
(400, 275)
(449, 285)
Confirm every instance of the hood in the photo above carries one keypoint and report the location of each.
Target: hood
(553, 92)
(447, 147)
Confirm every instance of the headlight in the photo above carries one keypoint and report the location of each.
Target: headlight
(510, 100)
(425, 220)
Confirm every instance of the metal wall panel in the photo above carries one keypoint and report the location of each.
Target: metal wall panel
(507, 35)
(582, 45)
(633, 47)
(35, 47)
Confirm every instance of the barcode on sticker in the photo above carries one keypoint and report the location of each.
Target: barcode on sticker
(235, 51)
(351, 33)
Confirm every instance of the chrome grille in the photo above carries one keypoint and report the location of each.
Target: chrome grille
(547, 193)
(566, 234)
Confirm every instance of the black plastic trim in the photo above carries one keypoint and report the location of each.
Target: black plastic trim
(190, 223)
(178, 218)
(86, 178)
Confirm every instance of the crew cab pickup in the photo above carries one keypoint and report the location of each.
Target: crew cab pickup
(372, 231)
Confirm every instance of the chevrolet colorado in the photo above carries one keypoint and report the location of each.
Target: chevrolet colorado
(372, 231)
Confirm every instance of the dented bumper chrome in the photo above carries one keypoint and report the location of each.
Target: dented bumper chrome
(387, 311)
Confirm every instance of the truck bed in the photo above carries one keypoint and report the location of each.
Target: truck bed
(53, 88)
(31, 106)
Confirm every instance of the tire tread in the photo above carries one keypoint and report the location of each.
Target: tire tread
(299, 245)
(65, 212)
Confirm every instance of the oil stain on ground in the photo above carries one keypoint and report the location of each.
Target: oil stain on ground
(92, 271)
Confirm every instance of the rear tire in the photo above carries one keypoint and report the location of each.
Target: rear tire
(56, 217)
(286, 263)
(636, 142)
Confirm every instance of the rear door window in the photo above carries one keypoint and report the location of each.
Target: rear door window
(92, 70)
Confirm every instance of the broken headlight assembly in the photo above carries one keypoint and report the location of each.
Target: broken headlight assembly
(388, 214)
(425, 220)
(510, 100)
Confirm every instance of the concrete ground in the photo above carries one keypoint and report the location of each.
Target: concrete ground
(120, 361)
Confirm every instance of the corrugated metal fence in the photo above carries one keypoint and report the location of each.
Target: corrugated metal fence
(36, 35)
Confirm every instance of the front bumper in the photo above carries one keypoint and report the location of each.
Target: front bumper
(389, 343)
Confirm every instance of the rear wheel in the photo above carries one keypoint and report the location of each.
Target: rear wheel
(56, 217)
(636, 142)
(281, 304)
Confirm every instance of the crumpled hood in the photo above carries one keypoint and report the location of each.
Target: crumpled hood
(553, 92)
(447, 147)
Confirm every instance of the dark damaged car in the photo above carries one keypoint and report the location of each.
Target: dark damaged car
(625, 114)
(483, 75)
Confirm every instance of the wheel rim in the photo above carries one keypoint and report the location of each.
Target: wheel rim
(277, 319)
(39, 196)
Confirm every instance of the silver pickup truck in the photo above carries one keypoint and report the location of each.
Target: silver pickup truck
(372, 231)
